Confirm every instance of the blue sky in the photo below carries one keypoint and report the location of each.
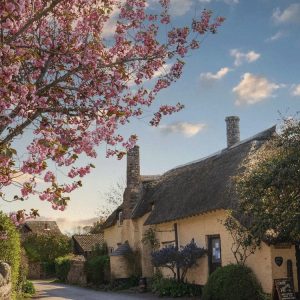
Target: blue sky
(251, 69)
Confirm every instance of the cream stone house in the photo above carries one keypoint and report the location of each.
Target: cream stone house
(190, 202)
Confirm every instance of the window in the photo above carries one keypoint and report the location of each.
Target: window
(168, 244)
(120, 218)
(214, 252)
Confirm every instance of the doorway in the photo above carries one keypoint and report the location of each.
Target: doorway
(214, 253)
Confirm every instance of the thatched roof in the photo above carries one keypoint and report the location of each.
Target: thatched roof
(195, 188)
(41, 227)
(201, 186)
(88, 241)
(112, 219)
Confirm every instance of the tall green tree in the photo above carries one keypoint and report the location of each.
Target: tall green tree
(269, 187)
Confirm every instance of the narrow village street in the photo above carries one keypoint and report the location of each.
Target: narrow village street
(48, 290)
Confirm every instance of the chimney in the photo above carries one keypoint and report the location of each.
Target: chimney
(133, 188)
(233, 130)
(133, 167)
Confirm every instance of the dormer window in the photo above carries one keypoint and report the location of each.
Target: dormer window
(120, 218)
(46, 227)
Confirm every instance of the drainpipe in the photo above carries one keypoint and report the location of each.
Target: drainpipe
(176, 247)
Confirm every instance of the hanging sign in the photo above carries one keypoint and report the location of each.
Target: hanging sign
(283, 289)
(278, 260)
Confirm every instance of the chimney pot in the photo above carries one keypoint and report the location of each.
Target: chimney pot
(233, 130)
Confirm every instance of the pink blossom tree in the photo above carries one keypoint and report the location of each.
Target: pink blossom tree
(71, 88)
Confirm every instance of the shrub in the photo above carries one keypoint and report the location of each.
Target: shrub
(10, 249)
(96, 268)
(234, 282)
(28, 288)
(184, 258)
(99, 250)
(172, 288)
(62, 267)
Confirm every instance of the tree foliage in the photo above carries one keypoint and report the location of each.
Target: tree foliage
(62, 267)
(244, 242)
(71, 87)
(184, 258)
(269, 187)
(46, 247)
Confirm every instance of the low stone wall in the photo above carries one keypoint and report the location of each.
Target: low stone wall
(77, 273)
(5, 281)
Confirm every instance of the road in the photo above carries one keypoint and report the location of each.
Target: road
(48, 290)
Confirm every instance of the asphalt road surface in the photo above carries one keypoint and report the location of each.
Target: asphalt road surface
(47, 290)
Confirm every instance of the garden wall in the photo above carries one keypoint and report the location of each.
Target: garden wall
(77, 273)
(5, 281)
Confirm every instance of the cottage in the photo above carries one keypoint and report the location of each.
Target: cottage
(83, 244)
(40, 227)
(190, 202)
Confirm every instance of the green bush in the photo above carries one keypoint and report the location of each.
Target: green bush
(28, 288)
(234, 282)
(10, 249)
(96, 268)
(62, 267)
(172, 288)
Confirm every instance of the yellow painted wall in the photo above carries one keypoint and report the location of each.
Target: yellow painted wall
(119, 267)
(131, 231)
(199, 227)
(281, 271)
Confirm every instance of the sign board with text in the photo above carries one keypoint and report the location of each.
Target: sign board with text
(283, 289)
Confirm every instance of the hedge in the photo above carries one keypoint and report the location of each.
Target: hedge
(62, 267)
(10, 248)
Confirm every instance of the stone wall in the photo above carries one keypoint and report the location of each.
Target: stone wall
(233, 130)
(77, 273)
(133, 189)
(5, 281)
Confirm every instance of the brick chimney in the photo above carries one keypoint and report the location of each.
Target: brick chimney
(233, 130)
(133, 188)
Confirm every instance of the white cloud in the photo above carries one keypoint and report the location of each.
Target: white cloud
(162, 71)
(240, 57)
(296, 90)
(180, 7)
(290, 15)
(185, 128)
(70, 226)
(278, 35)
(253, 89)
(211, 77)
(109, 27)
